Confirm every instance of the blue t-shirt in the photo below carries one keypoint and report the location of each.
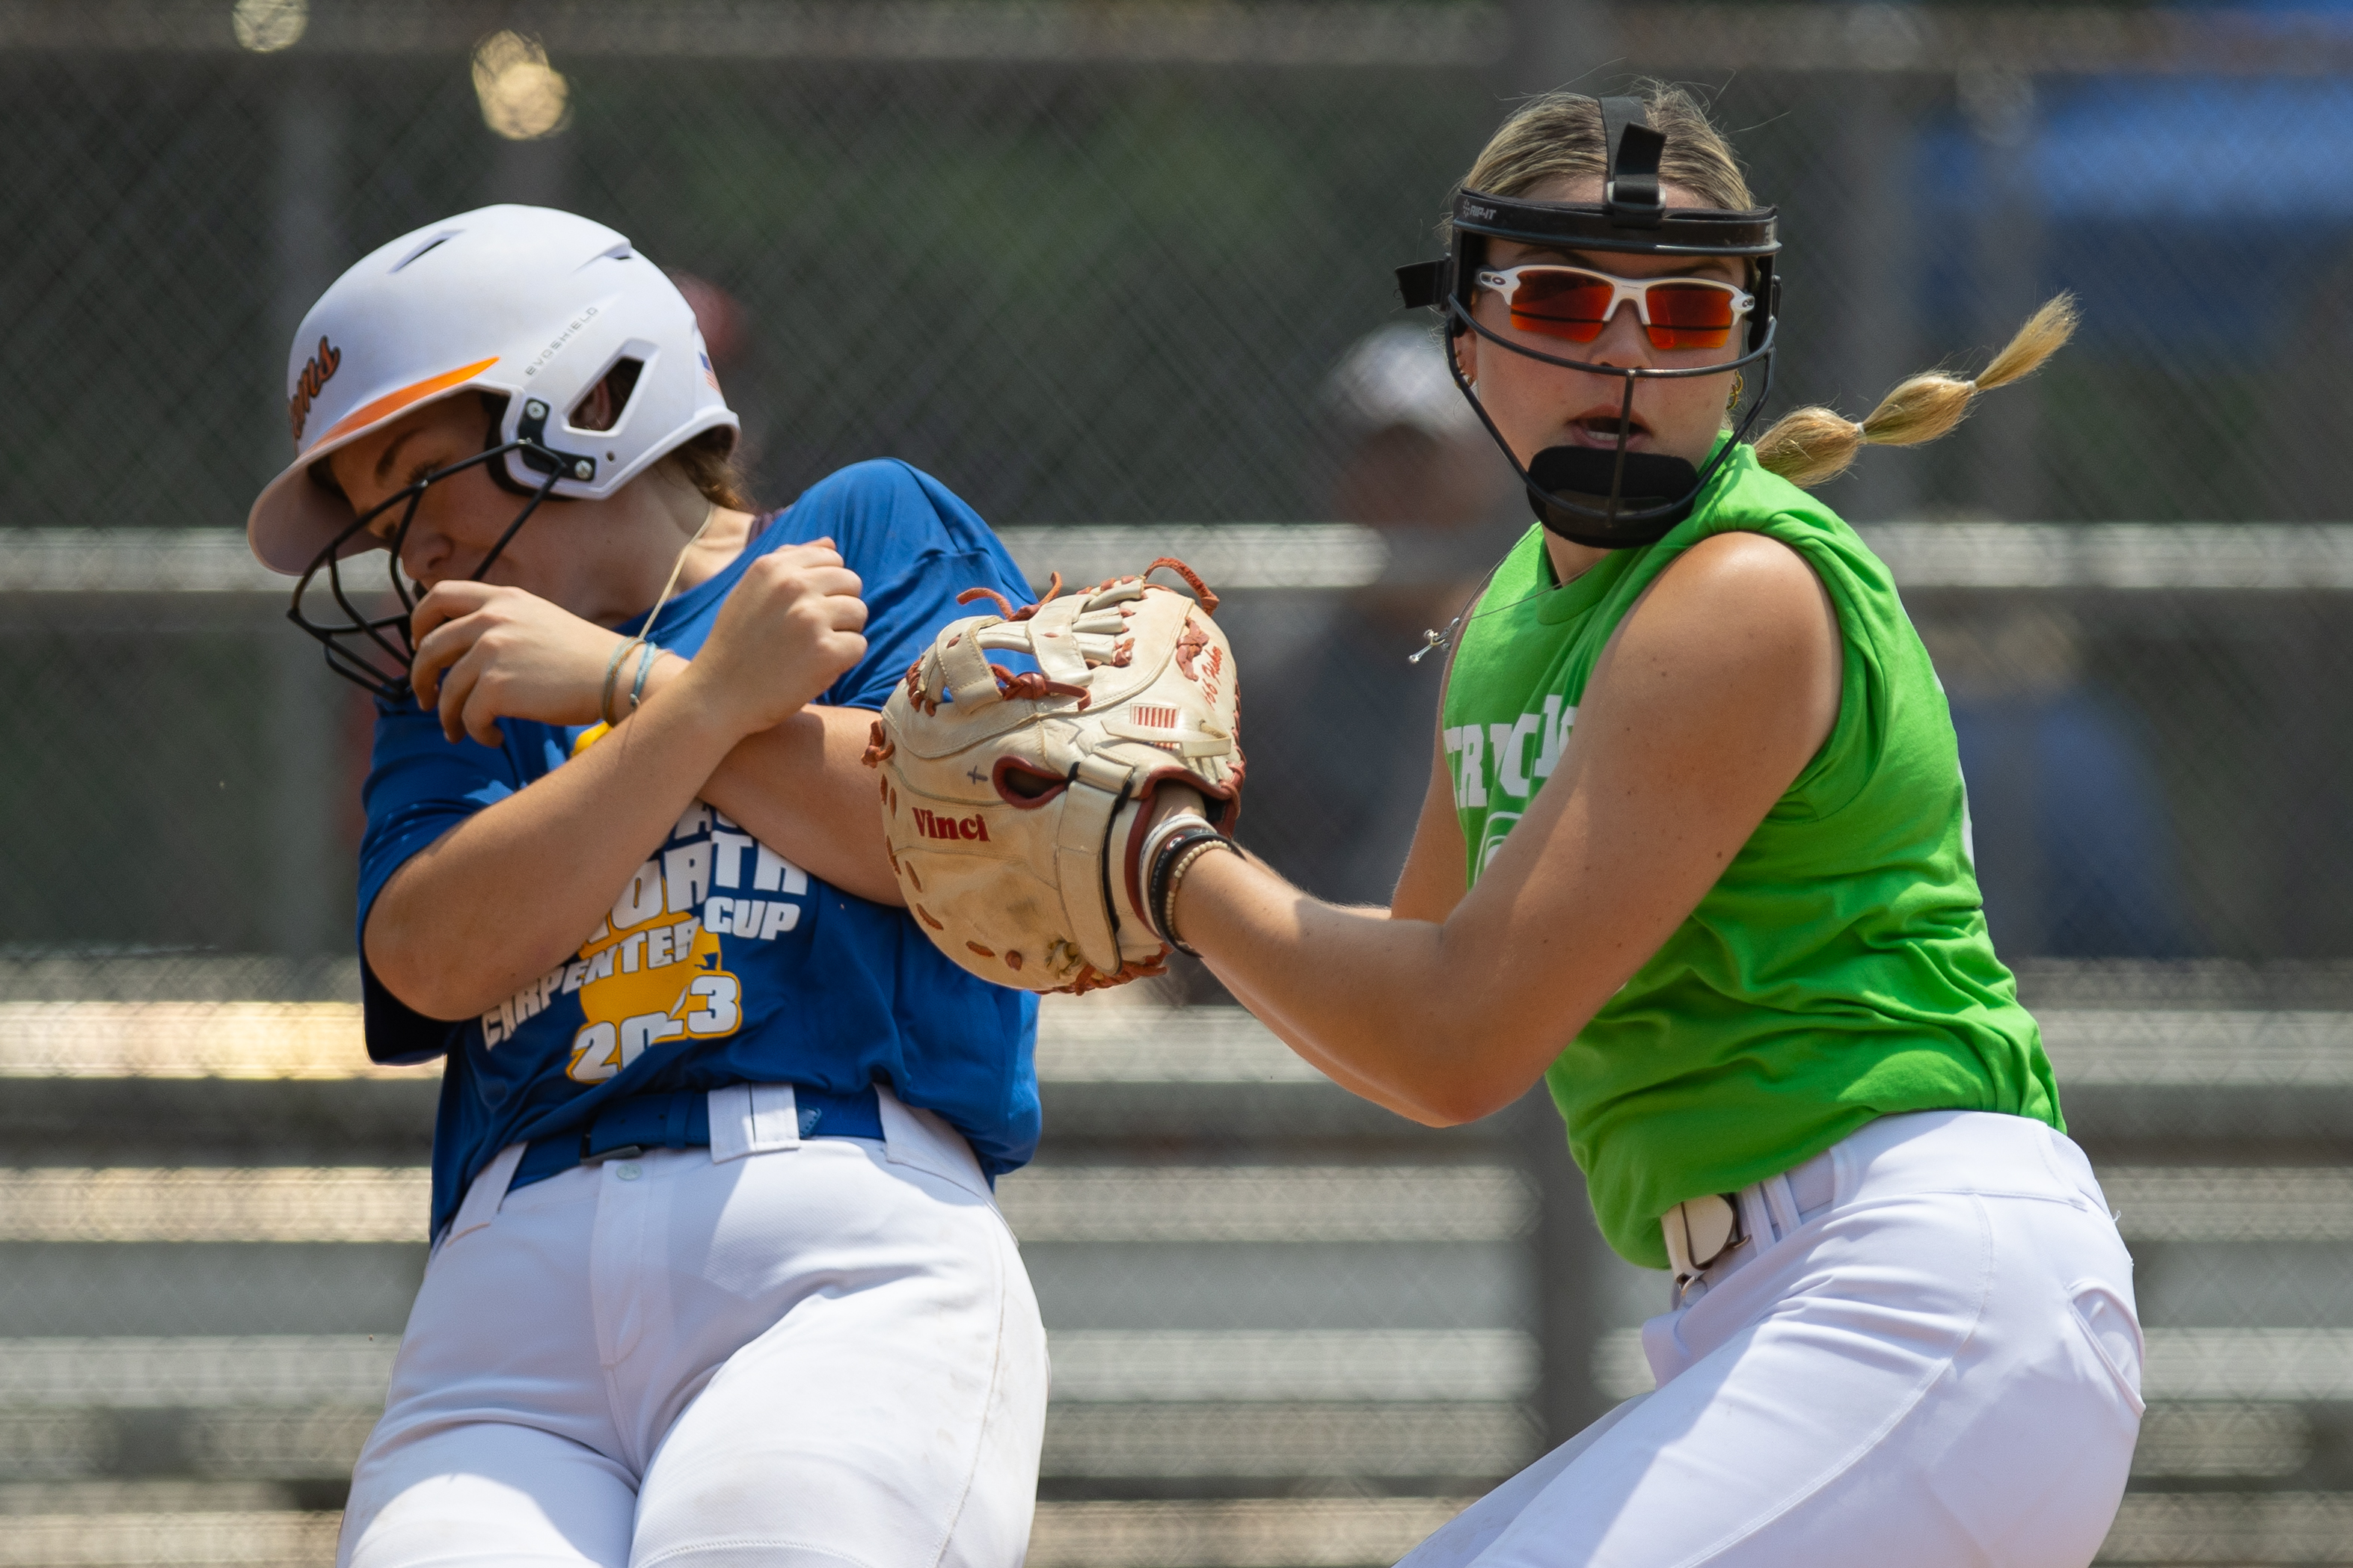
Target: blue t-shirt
(721, 961)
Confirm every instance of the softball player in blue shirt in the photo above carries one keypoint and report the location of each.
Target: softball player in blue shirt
(716, 1274)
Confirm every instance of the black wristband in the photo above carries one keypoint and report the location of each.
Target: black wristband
(1179, 871)
(1156, 882)
(1178, 852)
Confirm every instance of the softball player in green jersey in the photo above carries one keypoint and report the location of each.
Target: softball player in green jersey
(1696, 850)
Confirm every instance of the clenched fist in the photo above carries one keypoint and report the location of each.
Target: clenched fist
(788, 631)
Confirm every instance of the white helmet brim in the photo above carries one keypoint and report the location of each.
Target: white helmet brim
(533, 304)
(297, 516)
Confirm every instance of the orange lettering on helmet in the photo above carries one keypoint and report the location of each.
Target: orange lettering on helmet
(308, 385)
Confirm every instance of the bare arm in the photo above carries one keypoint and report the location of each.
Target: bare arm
(488, 653)
(1431, 886)
(1432, 881)
(800, 789)
(1717, 689)
(505, 895)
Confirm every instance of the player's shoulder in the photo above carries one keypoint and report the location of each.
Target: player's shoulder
(410, 760)
(884, 507)
(1740, 558)
(406, 729)
(1744, 596)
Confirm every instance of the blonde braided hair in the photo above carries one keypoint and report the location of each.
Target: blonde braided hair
(1809, 446)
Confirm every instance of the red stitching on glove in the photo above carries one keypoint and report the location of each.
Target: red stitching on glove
(1200, 589)
(1005, 607)
(1030, 686)
(1004, 604)
(1052, 588)
(1090, 978)
(1190, 645)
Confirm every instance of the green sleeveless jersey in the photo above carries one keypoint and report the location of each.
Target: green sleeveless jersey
(1838, 970)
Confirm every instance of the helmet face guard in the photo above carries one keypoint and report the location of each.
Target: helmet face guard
(377, 652)
(529, 307)
(1606, 499)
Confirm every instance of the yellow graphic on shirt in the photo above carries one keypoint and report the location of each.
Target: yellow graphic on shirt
(653, 972)
(659, 978)
(657, 981)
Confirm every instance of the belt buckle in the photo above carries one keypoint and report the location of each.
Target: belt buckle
(1698, 1232)
(598, 1157)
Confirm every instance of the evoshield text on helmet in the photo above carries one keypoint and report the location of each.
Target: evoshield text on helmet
(533, 309)
(1608, 498)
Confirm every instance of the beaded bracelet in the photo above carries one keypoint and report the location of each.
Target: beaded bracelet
(1175, 857)
(1183, 864)
(1164, 857)
(612, 667)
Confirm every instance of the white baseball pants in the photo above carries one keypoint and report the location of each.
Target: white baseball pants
(1925, 1353)
(770, 1352)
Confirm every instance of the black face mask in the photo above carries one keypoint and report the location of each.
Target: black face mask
(1608, 498)
(1639, 483)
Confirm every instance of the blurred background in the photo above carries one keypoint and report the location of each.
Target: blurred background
(1119, 273)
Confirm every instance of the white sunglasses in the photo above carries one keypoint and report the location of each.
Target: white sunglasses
(1575, 303)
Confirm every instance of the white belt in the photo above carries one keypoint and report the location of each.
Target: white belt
(1712, 1231)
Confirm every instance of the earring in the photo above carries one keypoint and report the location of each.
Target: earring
(1739, 385)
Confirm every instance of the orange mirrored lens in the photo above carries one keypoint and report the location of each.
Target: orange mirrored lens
(1688, 316)
(1562, 304)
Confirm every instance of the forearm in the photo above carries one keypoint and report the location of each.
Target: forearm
(1303, 1042)
(514, 890)
(801, 789)
(1367, 999)
(1300, 1034)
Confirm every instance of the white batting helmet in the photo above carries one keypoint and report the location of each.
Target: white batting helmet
(535, 304)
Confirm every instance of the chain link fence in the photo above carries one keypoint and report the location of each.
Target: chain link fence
(1119, 275)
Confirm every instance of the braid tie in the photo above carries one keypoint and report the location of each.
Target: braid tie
(1811, 446)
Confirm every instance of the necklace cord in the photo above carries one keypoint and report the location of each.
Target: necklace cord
(676, 567)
